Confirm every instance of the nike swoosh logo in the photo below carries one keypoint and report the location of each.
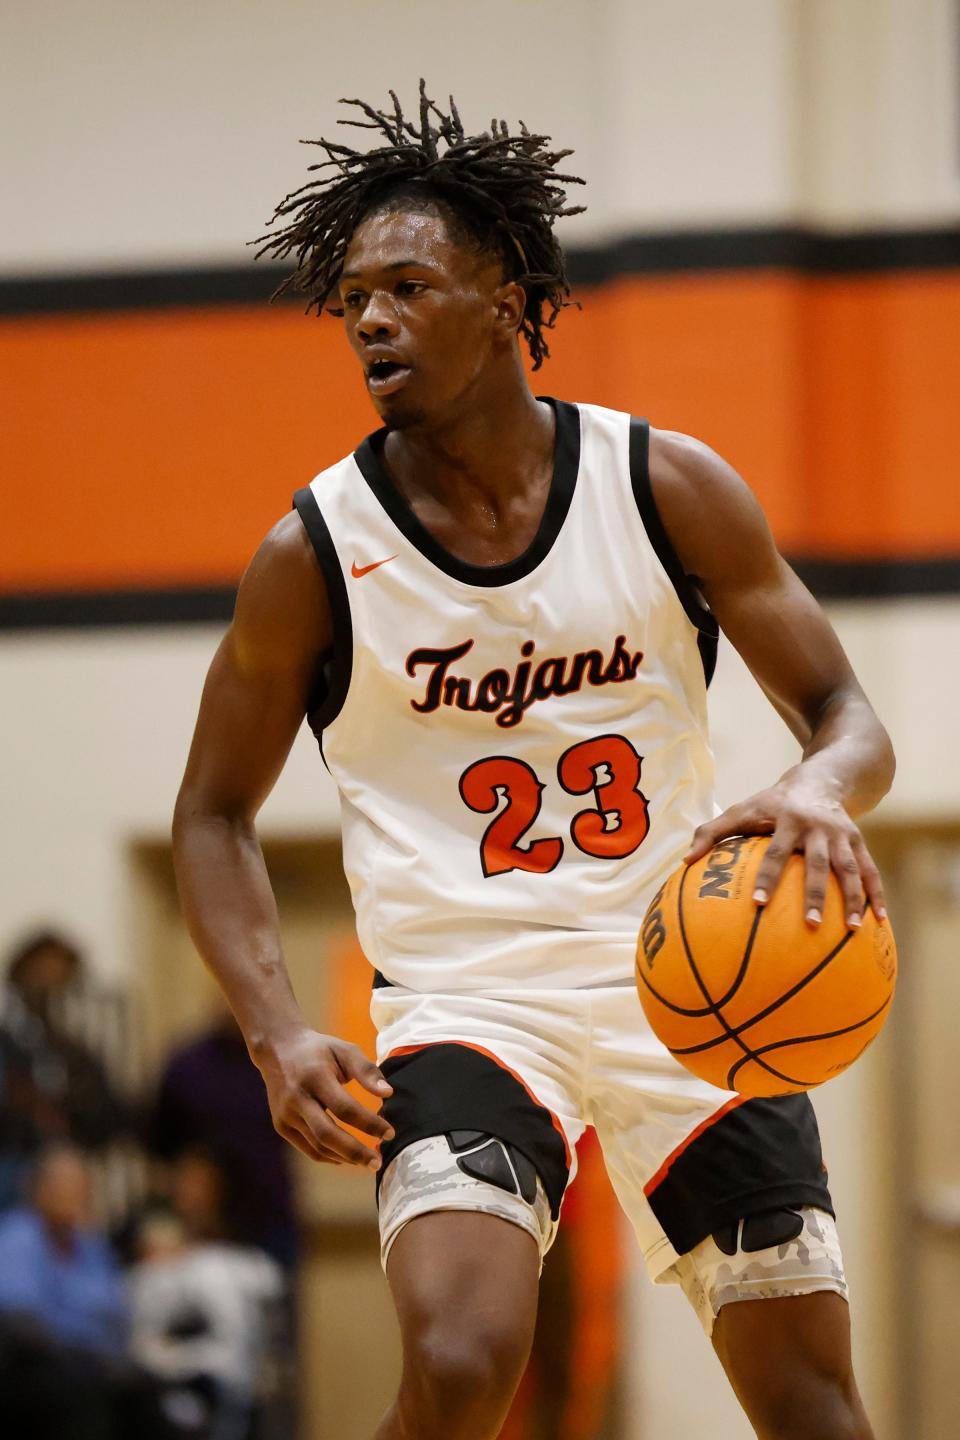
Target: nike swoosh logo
(357, 570)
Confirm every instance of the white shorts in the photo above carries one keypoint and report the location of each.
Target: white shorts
(493, 1091)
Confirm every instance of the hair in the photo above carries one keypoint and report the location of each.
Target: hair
(499, 191)
(39, 940)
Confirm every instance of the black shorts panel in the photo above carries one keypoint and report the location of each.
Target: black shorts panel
(759, 1155)
(444, 1087)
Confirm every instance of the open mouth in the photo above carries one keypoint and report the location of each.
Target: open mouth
(385, 376)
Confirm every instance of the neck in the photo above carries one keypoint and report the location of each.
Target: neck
(61, 1234)
(483, 450)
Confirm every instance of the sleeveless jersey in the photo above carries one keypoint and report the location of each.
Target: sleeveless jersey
(521, 750)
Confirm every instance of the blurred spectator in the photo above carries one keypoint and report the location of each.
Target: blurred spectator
(63, 1370)
(204, 1312)
(210, 1095)
(51, 1085)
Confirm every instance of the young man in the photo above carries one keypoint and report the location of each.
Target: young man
(500, 616)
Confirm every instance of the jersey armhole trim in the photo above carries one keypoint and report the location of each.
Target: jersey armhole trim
(338, 682)
(694, 605)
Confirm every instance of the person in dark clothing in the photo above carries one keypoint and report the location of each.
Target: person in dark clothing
(52, 1085)
(211, 1096)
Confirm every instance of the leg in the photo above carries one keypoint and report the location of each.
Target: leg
(771, 1293)
(465, 1287)
(788, 1361)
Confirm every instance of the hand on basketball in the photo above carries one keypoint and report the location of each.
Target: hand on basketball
(800, 817)
(305, 1076)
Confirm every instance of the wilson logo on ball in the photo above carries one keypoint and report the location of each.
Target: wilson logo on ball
(653, 934)
(718, 876)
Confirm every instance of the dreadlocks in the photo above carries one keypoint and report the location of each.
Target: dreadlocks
(501, 191)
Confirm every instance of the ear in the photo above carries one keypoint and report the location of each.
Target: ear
(510, 302)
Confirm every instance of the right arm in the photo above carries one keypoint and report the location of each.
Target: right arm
(253, 703)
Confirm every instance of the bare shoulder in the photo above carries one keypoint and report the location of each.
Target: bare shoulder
(282, 612)
(711, 515)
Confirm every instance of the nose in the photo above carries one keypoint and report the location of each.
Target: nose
(378, 317)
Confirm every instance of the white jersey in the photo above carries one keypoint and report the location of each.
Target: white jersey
(521, 750)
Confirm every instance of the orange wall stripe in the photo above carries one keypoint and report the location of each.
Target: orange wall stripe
(156, 448)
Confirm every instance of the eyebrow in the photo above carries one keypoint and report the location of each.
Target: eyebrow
(394, 265)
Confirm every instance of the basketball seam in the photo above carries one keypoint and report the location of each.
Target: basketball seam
(712, 1004)
(808, 1040)
(775, 1004)
(734, 987)
(734, 1035)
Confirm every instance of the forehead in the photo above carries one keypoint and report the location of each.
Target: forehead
(394, 238)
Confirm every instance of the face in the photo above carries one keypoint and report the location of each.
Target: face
(48, 971)
(427, 316)
(197, 1194)
(62, 1191)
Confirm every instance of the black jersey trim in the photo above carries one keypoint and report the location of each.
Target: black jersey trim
(335, 667)
(695, 607)
(566, 465)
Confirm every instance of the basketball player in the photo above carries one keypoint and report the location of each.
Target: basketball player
(500, 616)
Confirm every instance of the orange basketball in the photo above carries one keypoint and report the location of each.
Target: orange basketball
(753, 998)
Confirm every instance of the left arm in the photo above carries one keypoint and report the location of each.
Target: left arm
(722, 538)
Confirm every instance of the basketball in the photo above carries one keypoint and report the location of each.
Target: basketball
(753, 998)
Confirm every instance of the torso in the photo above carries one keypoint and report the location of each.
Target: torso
(521, 749)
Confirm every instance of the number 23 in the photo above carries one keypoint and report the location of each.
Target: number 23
(613, 828)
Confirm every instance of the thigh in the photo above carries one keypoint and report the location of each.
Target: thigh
(788, 1361)
(465, 1289)
(461, 1271)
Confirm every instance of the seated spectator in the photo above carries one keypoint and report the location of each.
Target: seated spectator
(202, 1307)
(63, 1370)
(210, 1095)
(54, 1267)
(52, 1086)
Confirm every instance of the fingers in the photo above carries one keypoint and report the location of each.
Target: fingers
(869, 877)
(305, 1145)
(816, 874)
(745, 818)
(356, 1066)
(847, 869)
(309, 1100)
(345, 1108)
(777, 854)
(324, 1132)
(706, 836)
(823, 831)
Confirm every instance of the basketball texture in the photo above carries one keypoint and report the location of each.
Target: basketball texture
(753, 998)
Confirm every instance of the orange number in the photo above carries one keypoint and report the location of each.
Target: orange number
(481, 786)
(607, 766)
(620, 822)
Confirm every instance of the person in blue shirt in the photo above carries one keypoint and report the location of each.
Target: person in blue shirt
(64, 1369)
(55, 1267)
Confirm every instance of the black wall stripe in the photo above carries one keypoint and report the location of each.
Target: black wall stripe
(96, 609)
(879, 579)
(828, 579)
(805, 251)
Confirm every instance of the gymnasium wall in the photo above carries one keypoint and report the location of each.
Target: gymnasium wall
(770, 260)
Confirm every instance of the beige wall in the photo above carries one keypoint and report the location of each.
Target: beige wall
(137, 134)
